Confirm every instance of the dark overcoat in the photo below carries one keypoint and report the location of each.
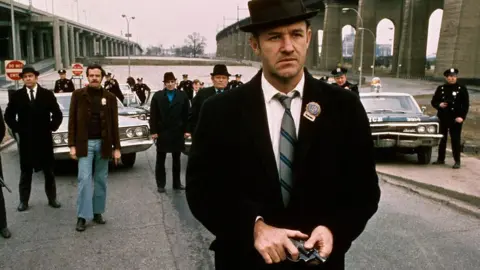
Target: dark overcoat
(169, 120)
(232, 175)
(197, 102)
(34, 123)
(79, 119)
(349, 86)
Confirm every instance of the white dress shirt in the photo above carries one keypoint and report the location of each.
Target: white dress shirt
(275, 112)
(34, 91)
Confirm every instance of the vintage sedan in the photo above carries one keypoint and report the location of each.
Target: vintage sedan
(134, 134)
(132, 112)
(398, 123)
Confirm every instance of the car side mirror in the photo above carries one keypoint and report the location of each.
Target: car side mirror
(424, 108)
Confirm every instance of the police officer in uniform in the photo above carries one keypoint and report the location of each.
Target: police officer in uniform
(187, 86)
(452, 103)
(140, 88)
(340, 76)
(111, 85)
(63, 85)
(235, 83)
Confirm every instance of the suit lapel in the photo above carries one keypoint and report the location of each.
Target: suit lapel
(255, 119)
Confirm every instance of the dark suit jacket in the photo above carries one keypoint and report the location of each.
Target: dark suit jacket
(458, 103)
(35, 123)
(352, 87)
(197, 102)
(79, 119)
(232, 175)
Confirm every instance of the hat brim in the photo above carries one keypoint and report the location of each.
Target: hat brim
(34, 72)
(280, 21)
(224, 74)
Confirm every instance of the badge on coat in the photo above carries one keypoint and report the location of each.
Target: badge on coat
(104, 101)
(312, 111)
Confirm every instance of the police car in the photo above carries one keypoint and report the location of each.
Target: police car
(397, 122)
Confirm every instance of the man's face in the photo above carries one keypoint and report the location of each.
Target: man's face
(170, 85)
(185, 78)
(196, 86)
(238, 78)
(63, 76)
(30, 80)
(283, 49)
(340, 80)
(220, 81)
(452, 79)
(94, 77)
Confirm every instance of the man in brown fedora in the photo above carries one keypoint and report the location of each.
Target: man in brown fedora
(168, 125)
(268, 163)
(220, 78)
(33, 113)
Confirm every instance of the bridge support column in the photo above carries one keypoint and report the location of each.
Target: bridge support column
(72, 48)
(459, 44)
(18, 41)
(367, 11)
(313, 57)
(100, 46)
(77, 43)
(413, 42)
(65, 46)
(30, 46)
(40, 45)
(49, 42)
(57, 48)
(332, 36)
(84, 46)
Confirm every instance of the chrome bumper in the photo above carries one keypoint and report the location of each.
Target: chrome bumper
(405, 140)
(128, 146)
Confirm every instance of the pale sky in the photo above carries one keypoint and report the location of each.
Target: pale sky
(168, 22)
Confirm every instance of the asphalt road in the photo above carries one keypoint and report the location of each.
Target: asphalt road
(147, 230)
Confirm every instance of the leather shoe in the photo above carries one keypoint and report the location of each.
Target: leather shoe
(97, 218)
(81, 225)
(161, 190)
(438, 162)
(181, 187)
(456, 166)
(22, 207)
(54, 204)
(5, 233)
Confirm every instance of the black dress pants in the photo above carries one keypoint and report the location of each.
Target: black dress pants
(25, 186)
(160, 174)
(455, 130)
(3, 211)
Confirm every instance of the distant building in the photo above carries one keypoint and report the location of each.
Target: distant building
(384, 49)
(348, 45)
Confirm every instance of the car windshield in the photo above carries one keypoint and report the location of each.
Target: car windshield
(390, 104)
(149, 100)
(131, 100)
(124, 87)
(64, 103)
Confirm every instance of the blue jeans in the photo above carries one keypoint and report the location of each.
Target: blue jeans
(92, 201)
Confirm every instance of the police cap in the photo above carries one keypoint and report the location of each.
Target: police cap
(450, 72)
(339, 71)
(185, 75)
(238, 75)
(62, 71)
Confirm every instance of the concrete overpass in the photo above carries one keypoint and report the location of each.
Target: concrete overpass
(55, 41)
(459, 44)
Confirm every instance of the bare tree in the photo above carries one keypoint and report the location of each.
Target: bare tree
(196, 43)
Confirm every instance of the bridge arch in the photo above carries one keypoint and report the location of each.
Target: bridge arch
(348, 44)
(433, 34)
(384, 44)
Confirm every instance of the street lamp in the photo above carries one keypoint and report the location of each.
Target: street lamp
(344, 10)
(374, 48)
(85, 14)
(14, 37)
(128, 35)
(78, 15)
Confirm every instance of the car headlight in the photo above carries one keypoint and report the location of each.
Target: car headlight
(65, 138)
(57, 139)
(142, 116)
(139, 132)
(130, 133)
(431, 129)
(421, 129)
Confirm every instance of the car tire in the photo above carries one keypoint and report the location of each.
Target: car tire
(128, 160)
(424, 154)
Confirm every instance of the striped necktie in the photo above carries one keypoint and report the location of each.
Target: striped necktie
(288, 138)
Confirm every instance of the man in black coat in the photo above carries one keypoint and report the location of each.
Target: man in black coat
(33, 113)
(340, 76)
(235, 83)
(111, 84)
(452, 103)
(63, 85)
(253, 184)
(220, 77)
(168, 125)
(187, 86)
(4, 231)
(140, 88)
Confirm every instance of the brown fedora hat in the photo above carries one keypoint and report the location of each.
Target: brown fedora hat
(168, 76)
(271, 13)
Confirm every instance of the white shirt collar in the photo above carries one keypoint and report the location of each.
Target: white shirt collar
(34, 88)
(269, 91)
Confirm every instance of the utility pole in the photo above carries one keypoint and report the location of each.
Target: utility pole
(14, 35)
